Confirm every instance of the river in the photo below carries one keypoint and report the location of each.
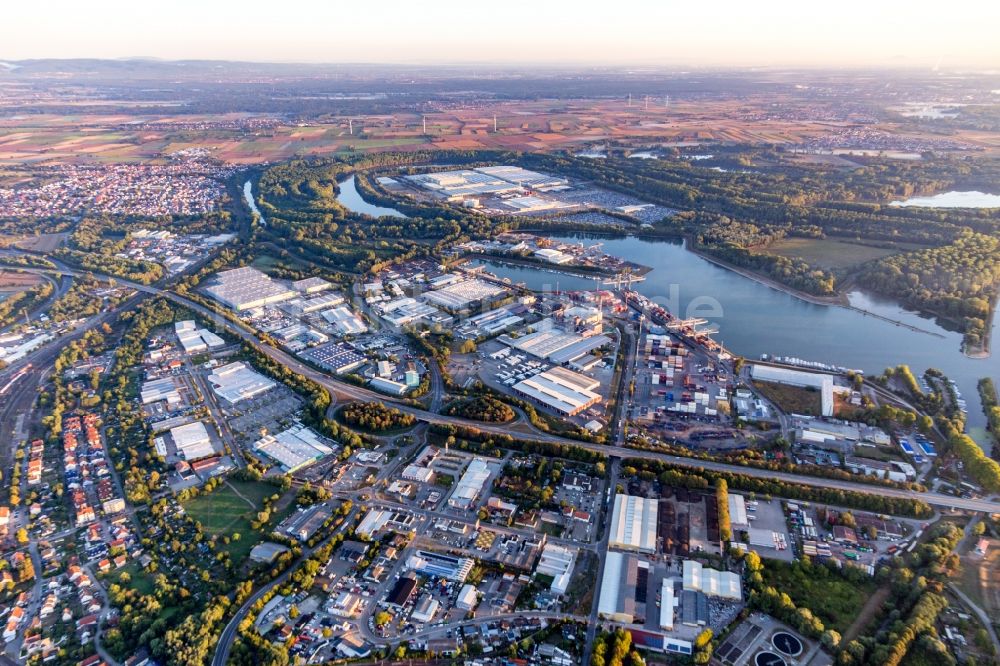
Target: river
(350, 198)
(248, 197)
(972, 199)
(754, 318)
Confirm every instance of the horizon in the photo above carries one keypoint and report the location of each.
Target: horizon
(725, 35)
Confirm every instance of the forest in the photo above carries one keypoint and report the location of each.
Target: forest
(946, 261)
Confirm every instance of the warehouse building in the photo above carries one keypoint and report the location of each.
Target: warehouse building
(525, 178)
(557, 562)
(467, 598)
(464, 295)
(299, 307)
(668, 604)
(247, 288)
(406, 310)
(561, 390)
(388, 386)
(633, 524)
(156, 390)
(310, 285)
(336, 357)
(194, 339)
(401, 593)
(824, 383)
(556, 345)
(623, 574)
(192, 441)
(345, 321)
(738, 512)
(425, 609)
(417, 473)
(471, 484)
(236, 382)
(294, 448)
(712, 582)
(440, 565)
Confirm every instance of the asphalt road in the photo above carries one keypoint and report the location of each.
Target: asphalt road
(352, 392)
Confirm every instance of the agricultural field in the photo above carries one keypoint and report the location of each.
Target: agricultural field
(12, 282)
(41, 243)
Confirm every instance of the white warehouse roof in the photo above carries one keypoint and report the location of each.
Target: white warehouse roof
(235, 382)
(714, 583)
(633, 524)
(192, 440)
(471, 484)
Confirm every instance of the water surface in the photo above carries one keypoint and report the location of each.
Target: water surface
(351, 199)
(754, 318)
(973, 199)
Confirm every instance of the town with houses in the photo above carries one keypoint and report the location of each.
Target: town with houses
(246, 421)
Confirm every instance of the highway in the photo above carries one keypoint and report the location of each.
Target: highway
(352, 392)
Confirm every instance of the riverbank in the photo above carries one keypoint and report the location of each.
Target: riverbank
(836, 299)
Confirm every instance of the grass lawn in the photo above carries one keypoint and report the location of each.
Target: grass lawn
(224, 513)
(792, 399)
(827, 253)
(836, 601)
(264, 262)
(140, 581)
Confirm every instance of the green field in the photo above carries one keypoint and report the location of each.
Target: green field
(827, 253)
(832, 599)
(225, 513)
(139, 580)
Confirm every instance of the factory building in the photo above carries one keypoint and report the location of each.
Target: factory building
(471, 484)
(406, 310)
(192, 441)
(247, 288)
(294, 448)
(633, 524)
(236, 382)
(299, 307)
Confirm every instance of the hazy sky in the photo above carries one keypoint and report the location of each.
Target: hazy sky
(668, 32)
